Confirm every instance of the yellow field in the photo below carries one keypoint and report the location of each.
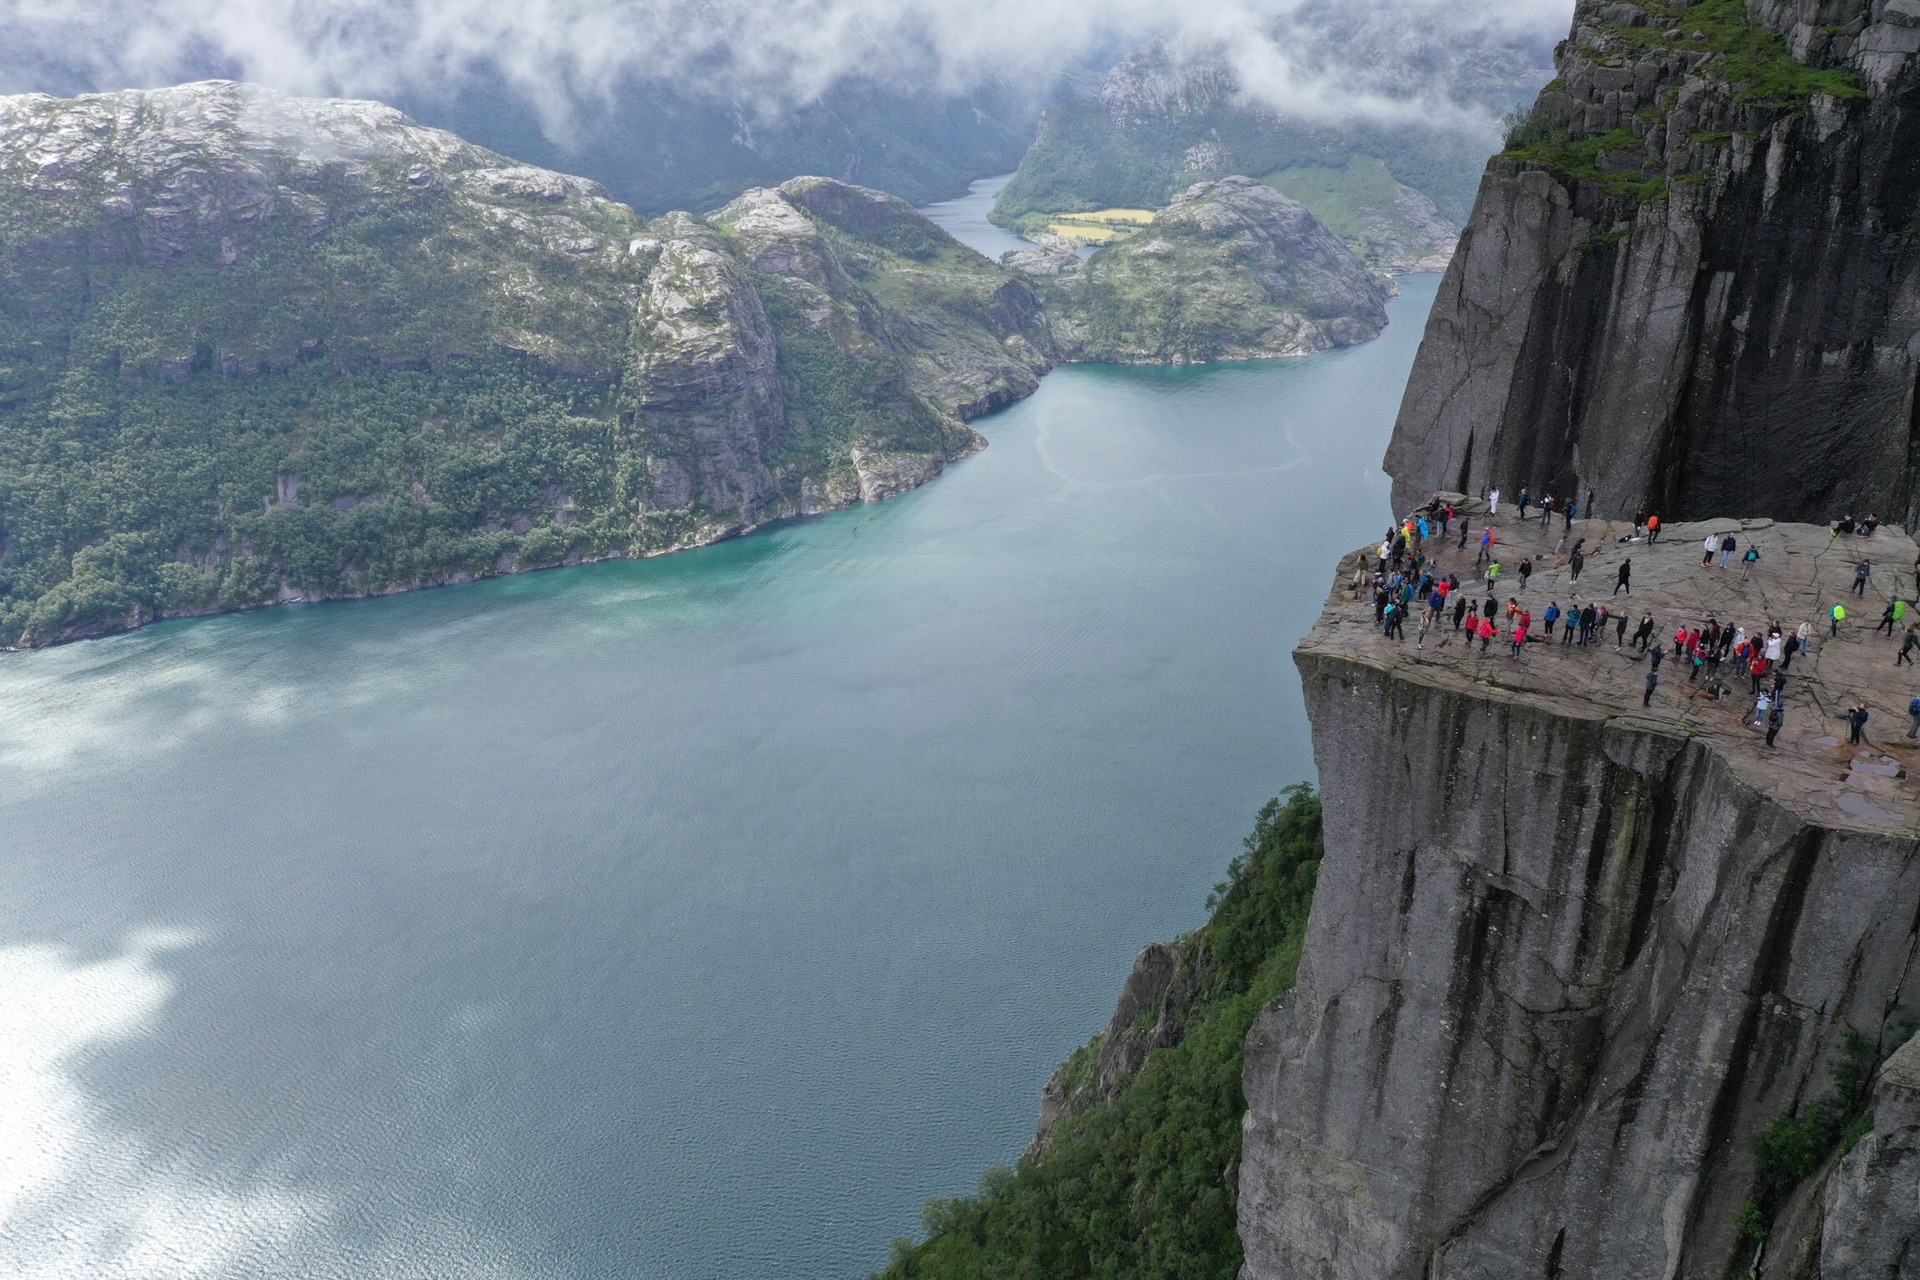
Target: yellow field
(1101, 225)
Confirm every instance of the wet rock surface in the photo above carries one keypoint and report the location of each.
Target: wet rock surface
(1569, 955)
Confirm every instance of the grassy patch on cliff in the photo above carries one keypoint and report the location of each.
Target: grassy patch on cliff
(1749, 57)
(1144, 1187)
(1746, 56)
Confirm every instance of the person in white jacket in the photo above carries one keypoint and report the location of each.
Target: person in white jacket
(1493, 502)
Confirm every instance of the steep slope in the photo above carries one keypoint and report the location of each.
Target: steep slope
(256, 348)
(1576, 968)
(1696, 254)
(1231, 270)
(1131, 1175)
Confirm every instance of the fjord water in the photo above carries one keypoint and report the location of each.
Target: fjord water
(697, 917)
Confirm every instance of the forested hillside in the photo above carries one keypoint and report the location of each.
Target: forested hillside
(256, 348)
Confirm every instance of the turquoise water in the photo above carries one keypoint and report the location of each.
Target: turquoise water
(691, 918)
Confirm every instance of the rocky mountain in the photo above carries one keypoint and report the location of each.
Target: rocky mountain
(257, 348)
(1592, 988)
(1172, 114)
(1230, 270)
(1690, 279)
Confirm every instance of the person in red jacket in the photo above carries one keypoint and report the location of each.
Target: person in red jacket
(1521, 625)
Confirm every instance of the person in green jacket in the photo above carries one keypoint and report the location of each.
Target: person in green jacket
(1838, 616)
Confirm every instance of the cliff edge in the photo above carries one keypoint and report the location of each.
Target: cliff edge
(1570, 955)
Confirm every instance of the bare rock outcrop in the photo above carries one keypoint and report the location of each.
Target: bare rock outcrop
(1569, 955)
(1692, 262)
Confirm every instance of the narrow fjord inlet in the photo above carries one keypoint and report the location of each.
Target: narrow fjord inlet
(694, 917)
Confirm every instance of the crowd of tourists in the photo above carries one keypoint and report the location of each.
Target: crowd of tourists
(1413, 592)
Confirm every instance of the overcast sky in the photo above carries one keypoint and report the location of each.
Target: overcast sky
(563, 55)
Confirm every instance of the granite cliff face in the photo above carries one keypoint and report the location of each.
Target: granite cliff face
(1570, 957)
(1695, 260)
(256, 348)
(1231, 270)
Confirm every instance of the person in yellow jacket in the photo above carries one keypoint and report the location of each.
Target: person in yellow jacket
(1838, 616)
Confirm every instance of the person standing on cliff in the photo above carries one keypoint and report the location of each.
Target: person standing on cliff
(1913, 714)
(1573, 509)
(1805, 632)
(1856, 721)
(1711, 545)
(1639, 520)
(1493, 503)
(1727, 548)
(1747, 562)
(1486, 546)
(1907, 646)
(1526, 571)
(1643, 634)
(1653, 682)
(1546, 513)
(1624, 580)
(1459, 610)
(1838, 616)
(1620, 633)
(1653, 530)
(1776, 716)
(1446, 517)
(1576, 562)
(1861, 572)
(1523, 501)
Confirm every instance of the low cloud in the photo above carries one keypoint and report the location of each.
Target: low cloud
(569, 57)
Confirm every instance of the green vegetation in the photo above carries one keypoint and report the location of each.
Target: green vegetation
(336, 412)
(1233, 271)
(1614, 161)
(1794, 1146)
(1144, 1185)
(343, 378)
(1752, 62)
(1346, 198)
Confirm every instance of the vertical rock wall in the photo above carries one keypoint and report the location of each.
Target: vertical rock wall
(1561, 967)
(1685, 288)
